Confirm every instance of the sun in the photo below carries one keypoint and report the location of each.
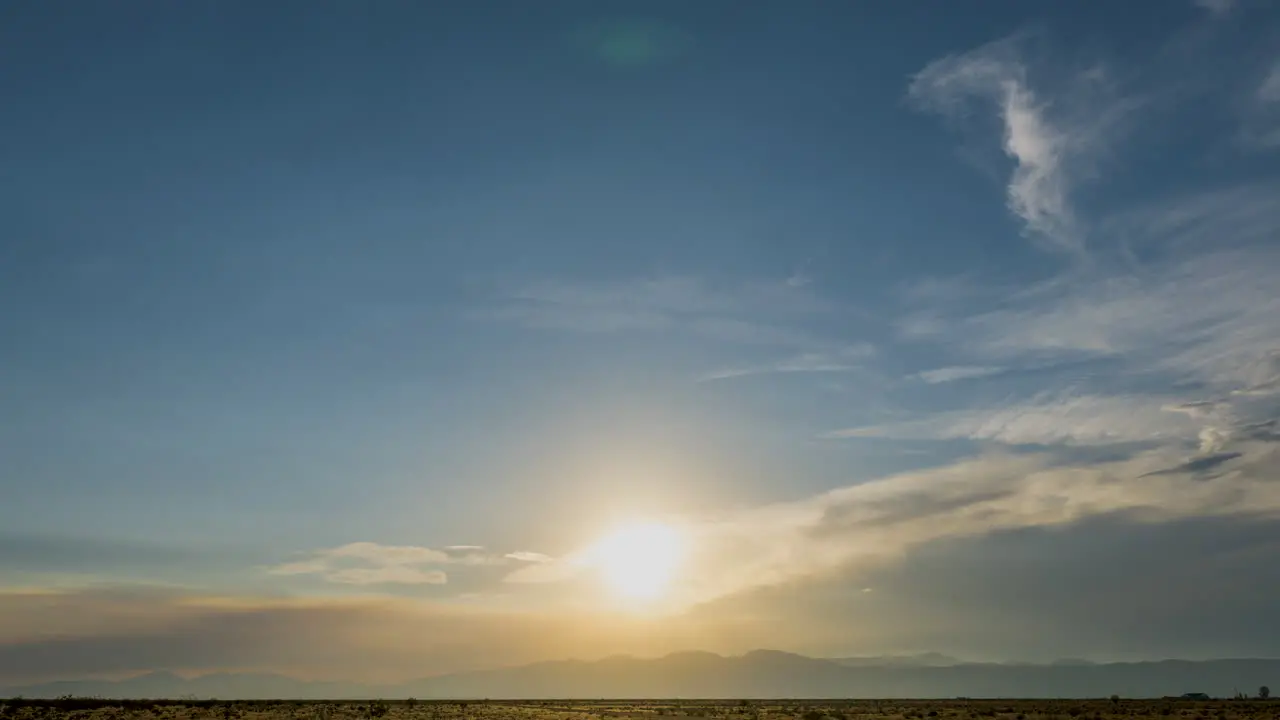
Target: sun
(638, 560)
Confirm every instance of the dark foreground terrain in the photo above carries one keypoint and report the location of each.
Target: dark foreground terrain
(960, 709)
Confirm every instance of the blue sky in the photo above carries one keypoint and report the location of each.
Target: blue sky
(300, 298)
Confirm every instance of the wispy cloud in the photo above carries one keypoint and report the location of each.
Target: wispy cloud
(960, 372)
(1197, 327)
(1054, 146)
(1210, 317)
(368, 563)
(1047, 420)
(842, 360)
(1262, 114)
(752, 313)
(1269, 90)
(547, 570)
(1194, 223)
(529, 557)
(1217, 7)
(1169, 336)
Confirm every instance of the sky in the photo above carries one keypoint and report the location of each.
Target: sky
(336, 335)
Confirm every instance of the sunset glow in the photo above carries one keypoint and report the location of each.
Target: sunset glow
(638, 561)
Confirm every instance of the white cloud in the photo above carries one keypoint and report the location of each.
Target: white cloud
(1053, 145)
(387, 554)
(368, 563)
(530, 557)
(1038, 189)
(962, 372)
(542, 569)
(1212, 440)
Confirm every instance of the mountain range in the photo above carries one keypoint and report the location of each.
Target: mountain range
(758, 674)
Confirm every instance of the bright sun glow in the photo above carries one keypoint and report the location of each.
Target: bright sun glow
(638, 560)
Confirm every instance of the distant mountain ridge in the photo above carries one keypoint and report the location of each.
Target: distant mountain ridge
(931, 659)
(758, 674)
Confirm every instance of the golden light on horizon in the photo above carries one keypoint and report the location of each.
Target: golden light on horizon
(638, 560)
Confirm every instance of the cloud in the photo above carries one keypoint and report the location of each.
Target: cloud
(1163, 350)
(1200, 465)
(1193, 223)
(855, 530)
(1216, 7)
(368, 563)
(1046, 420)
(752, 313)
(880, 521)
(1261, 129)
(1269, 90)
(1025, 518)
(393, 574)
(842, 360)
(1261, 389)
(799, 278)
(1194, 327)
(1210, 317)
(1108, 588)
(1175, 301)
(386, 554)
(962, 372)
(527, 556)
(541, 568)
(549, 571)
(1054, 146)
